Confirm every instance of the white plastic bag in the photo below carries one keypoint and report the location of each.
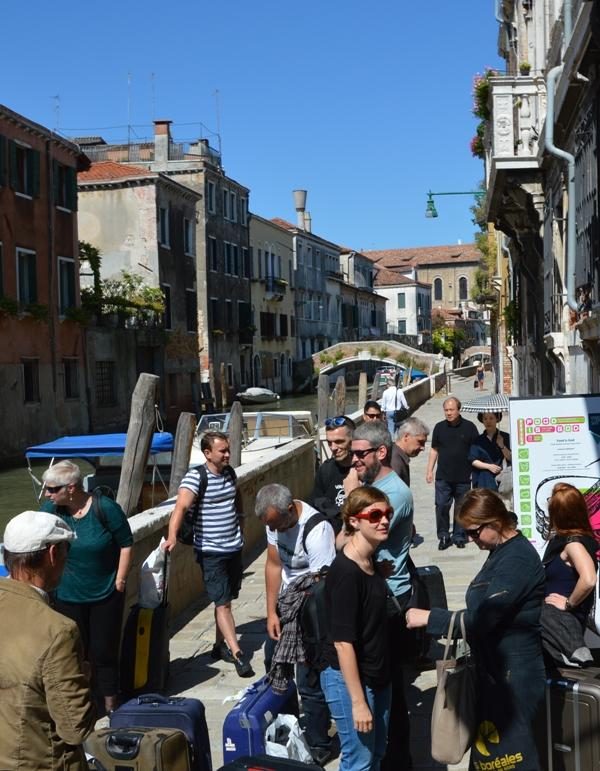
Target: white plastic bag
(152, 579)
(284, 739)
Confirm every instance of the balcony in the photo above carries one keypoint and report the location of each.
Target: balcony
(275, 288)
(518, 105)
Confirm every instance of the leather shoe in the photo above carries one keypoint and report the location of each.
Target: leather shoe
(460, 544)
(445, 543)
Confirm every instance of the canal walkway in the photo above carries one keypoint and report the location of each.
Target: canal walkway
(193, 673)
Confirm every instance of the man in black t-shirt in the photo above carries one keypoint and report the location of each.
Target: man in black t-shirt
(450, 444)
(328, 493)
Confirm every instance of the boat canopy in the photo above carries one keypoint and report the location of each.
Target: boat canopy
(94, 446)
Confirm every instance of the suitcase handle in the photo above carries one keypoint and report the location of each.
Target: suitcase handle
(157, 698)
(123, 746)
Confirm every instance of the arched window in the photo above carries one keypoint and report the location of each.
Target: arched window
(463, 288)
(437, 289)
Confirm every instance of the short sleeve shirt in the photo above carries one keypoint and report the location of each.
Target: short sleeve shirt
(453, 443)
(396, 547)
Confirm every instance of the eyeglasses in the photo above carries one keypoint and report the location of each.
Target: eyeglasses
(375, 515)
(360, 454)
(475, 532)
(372, 415)
(54, 489)
(341, 420)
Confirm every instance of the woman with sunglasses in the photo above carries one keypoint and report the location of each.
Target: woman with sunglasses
(502, 621)
(356, 682)
(570, 564)
(92, 587)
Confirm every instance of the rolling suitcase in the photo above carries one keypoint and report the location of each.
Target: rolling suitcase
(245, 725)
(428, 591)
(141, 749)
(267, 763)
(433, 587)
(144, 666)
(570, 734)
(153, 711)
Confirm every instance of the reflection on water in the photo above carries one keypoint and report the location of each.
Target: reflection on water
(17, 491)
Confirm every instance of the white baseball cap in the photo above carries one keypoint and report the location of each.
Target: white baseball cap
(33, 531)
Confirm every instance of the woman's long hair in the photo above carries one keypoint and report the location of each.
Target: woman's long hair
(568, 511)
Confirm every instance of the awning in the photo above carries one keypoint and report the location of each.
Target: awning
(488, 403)
(94, 446)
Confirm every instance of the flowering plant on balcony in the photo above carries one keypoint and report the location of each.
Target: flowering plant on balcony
(481, 93)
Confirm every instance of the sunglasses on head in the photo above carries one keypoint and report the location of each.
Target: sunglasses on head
(475, 532)
(341, 420)
(375, 514)
(360, 454)
(54, 488)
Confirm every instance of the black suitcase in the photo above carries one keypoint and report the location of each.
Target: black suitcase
(267, 763)
(138, 749)
(177, 712)
(569, 734)
(432, 587)
(144, 665)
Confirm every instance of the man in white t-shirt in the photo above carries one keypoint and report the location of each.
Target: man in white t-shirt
(290, 554)
(392, 399)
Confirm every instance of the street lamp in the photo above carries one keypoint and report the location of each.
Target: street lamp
(431, 211)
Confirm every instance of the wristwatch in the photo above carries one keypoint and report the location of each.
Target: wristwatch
(568, 605)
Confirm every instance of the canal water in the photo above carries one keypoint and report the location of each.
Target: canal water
(17, 490)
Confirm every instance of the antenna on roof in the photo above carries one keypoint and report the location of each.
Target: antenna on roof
(56, 98)
(218, 110)
(153, 96)
(128, 108)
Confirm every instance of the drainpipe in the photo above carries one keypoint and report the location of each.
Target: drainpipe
(510, 349)
(553, 76)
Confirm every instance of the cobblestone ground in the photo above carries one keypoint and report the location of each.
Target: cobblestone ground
(193, 673)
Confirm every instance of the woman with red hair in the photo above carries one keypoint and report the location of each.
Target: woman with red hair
(570, 565)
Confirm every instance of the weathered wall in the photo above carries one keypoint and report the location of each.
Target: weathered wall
(293, 465)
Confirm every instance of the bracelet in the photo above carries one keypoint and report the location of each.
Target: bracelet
(568, 605)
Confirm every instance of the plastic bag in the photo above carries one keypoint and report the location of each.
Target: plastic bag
(152, 579)
(284, 739)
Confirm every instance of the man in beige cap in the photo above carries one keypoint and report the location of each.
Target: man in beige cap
(46, 708)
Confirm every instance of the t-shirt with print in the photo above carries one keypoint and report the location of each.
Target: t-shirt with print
(216, 528)
(320, 547)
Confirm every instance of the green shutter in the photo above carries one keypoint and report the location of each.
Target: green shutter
(14, 174)
(2, 161)
(33, 173)
(71, 189)
(55, 183)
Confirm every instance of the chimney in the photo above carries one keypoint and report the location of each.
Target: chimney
(162, 140)
(300, 206)
(307, 222)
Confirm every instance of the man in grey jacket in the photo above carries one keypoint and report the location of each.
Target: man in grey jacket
(46, 708)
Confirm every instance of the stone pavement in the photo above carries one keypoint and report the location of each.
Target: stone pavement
(194, 674)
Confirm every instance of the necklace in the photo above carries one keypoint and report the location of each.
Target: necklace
(366, 565)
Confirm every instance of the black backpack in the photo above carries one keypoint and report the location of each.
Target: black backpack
(313, 615)
(186, 529)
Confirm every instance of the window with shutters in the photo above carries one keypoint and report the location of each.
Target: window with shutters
(30, 369)
(167, 315)
(212, 253)
(65, 186)
(24, 170)
(401, 300)
(71, 370)
(437, 289)
(191, 310)
(26, 276)
(66, 284)
(3, 161)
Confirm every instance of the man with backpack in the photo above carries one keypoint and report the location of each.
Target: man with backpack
(300, 542)
(210, 493)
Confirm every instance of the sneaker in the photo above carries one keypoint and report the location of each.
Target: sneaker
(220, 651)
(242, 667)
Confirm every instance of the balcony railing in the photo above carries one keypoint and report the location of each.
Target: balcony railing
(518, 113)
(275, 285)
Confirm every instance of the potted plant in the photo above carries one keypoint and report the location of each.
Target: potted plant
(525, 68)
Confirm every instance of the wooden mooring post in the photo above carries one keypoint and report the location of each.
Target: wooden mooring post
(182, 447)
(235, 431)
(142, 420)
(340, 395)
(322, 408)
(362, 390)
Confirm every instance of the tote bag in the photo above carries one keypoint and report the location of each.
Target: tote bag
(453, 719)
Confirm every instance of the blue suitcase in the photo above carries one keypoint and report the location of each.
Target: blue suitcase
(245, 725)
(155, 711)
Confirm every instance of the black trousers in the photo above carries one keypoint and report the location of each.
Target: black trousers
(100, 629)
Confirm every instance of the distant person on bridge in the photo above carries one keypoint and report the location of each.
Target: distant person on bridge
(394, 405)
(328, 493)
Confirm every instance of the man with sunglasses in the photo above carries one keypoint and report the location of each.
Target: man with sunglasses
(328, 494)
(371, 451)
(46, 710)
(372, 411)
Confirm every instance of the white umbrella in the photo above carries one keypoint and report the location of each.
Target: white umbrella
(487, 403)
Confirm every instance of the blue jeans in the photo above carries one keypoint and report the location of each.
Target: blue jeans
(360, 751)
(445, 494)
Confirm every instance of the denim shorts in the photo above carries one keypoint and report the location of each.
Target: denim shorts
(222, 575)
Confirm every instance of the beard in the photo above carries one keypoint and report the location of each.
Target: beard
(370, 473)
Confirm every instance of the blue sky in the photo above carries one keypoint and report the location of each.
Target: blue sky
(366, 105)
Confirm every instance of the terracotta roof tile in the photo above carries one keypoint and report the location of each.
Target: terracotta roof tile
(106, 170)
(283, 223)
(384, 277)
(424, 255)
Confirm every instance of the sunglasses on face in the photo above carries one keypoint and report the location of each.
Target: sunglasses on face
(475, 532)
(54, 488)
(360, 454)
(341, 420)
(373, 415)
(375, 515)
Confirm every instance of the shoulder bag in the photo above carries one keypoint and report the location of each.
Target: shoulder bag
(454, 717)
(400, 413)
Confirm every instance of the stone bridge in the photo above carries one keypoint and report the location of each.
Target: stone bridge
(385, 351)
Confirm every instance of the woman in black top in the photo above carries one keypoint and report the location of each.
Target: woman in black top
(502, 621)
(570, 564)
(356, 681)
(491, 449)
